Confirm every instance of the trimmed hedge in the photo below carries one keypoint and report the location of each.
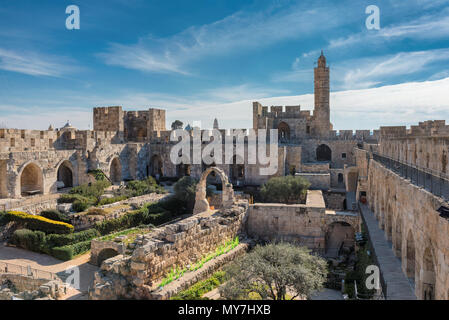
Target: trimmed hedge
(152, 213)
(68, 252)
(59, 240)
(28, 239)
(55, 215)
(39, 223)
(3, 219)
(37, 241)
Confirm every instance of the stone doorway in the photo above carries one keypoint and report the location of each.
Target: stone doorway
(65, 175)
(31, 180)
(201, 203)
(323, 153)
(116, 171)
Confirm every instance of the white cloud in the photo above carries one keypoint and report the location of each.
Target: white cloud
(402, 104)
(34, 64)
(368, 72)
(239, 31)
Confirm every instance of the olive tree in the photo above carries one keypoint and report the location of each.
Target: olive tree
(288, 189)
(275, 271)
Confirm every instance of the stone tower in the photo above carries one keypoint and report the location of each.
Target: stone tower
(321, 114)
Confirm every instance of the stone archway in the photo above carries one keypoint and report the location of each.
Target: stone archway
(116, 170)
(428, 277)
(323, 153)
(201, 203)
(31, 180)
(156, 166)
(389, 224)
(338, 235)
(106, 254)
(283, 132)
(410, 256)
(65, 175)
(397, 236)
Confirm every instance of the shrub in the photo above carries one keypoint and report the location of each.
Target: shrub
(105, 201)
(55, 215)
(28, 239)
(151, 213)
(96, 212)
(98, 174)
(81, 204)
(3, 219)
(69, 251)
(39, 223)
(70, 198)
(91, 191)
(140, 187)
(184, 191)
(288, 189)
(198, 289)
(59, 240)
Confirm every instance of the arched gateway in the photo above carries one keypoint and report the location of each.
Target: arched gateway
(201, 203)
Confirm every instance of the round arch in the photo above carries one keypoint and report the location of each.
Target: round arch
(106, 254)
(201, 203)
(156, 166)
(338, 235)
(397, 236)
(64, 174)
(323, 153)
(429, 275)
(115, 171)
(283, 132)
(410, 256)
(31, 179)
(389, 224)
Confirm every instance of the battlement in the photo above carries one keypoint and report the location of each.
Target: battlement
(274, 112)
(362, 135)
(430, 128)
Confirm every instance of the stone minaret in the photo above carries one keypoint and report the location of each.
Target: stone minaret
(321, 112)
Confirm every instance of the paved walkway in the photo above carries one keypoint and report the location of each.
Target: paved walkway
(45, 262)
(398, 286)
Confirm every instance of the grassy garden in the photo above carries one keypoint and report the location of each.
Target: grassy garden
(51, 232)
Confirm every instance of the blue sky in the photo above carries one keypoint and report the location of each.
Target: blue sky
(201, 59)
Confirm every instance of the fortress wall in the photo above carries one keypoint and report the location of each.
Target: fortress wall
(408, 215)
(428, 152)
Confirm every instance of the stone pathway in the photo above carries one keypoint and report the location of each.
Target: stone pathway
(327, 294)
(398, 286)
(45, 262)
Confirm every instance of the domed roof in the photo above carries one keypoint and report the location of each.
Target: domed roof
(68, 126)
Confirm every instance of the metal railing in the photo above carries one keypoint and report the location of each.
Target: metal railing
(6, 267)
(435, 182)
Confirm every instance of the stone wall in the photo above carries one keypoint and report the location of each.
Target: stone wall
(320, 181)
(27, 288)
(179, 244)
(307, 224)
(420, 237)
